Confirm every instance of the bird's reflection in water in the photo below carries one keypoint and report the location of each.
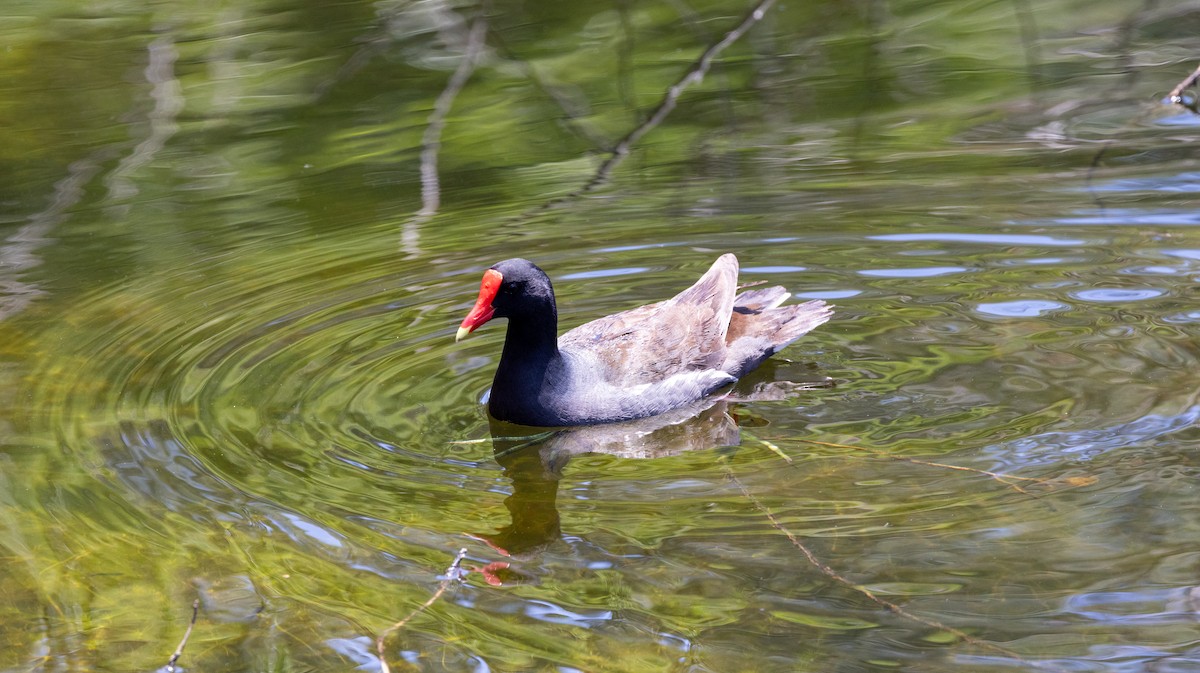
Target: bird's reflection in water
(534, 458)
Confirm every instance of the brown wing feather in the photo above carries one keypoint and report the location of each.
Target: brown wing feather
(650, 343)
(760, 327)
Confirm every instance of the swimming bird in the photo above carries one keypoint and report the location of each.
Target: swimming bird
(632, 364)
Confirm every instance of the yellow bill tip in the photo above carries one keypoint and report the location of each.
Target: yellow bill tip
(462, 334)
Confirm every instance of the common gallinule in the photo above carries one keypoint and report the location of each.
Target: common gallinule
(632, 364)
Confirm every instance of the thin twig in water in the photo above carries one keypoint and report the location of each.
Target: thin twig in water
(778, 451)
(186, 634)
(521, 438)
(529, 441)
(452, 575)
(837, 577)
(525, 440)
(1176, 95)
(1091, 172)
(1005, 479)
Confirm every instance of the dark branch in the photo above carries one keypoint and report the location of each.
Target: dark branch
(452, 575)
(186, 634)
(828, 571)
(1176, 95)
(694, 75)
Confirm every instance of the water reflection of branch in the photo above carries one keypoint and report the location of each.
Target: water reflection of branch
(1028, 30)
(626, 87)
(570, 108)
(694, 76)
(828, 571)
(186, 634)
(1122, 47)
(168, 103)
(690, 17)
(431, 140)
(17, 252)
(452, 575)
(372, 45)
(669, 101)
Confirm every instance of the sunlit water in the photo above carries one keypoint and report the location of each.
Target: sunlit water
(229, 374)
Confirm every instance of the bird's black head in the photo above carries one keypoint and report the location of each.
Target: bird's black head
(524, 288)
(512, 288)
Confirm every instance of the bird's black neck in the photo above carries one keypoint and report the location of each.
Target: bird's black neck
(530, 345)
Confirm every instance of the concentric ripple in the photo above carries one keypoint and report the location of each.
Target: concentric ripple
(247, 387)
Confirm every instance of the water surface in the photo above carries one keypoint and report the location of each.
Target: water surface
(229, 370)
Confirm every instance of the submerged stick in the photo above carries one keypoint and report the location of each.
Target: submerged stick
(451, 576)
(778, 451)
(1176, 95)
(186, 634)
(828, 571)
(1006, 479)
